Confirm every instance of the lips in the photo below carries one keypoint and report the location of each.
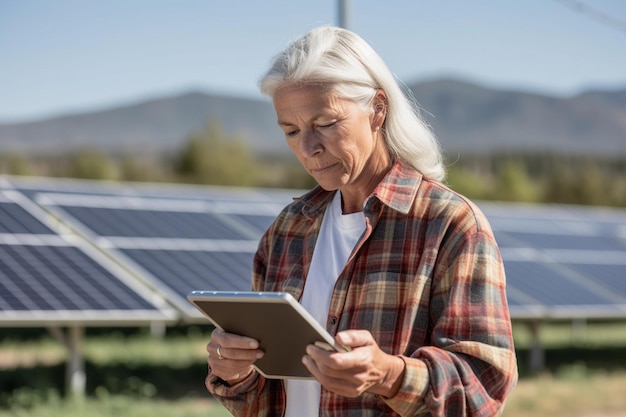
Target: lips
(322, 169)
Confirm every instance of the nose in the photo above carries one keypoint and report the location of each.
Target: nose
(310, 144)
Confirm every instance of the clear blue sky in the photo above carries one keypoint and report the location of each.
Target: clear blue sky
(59, 56)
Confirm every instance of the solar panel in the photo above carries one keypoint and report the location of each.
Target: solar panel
(561, 261)
(62, 278)
(228, 271)
(557, 241)
(610, 276)
(153, 223)
(15, 219)
(47, 277)
(176, 243)
(560, 290)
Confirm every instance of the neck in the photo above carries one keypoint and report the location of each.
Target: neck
(353, 198)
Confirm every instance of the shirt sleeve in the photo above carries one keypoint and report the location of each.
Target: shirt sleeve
(469, 367)
(254, 396)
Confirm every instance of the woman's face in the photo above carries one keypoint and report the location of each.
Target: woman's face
(337, 141)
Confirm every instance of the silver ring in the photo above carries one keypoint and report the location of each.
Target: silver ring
(219, 353)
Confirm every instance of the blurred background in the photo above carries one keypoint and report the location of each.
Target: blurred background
(134, 140)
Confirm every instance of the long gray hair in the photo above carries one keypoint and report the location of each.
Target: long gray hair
(343, 61)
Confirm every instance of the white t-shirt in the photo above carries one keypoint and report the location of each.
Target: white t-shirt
(338, 236)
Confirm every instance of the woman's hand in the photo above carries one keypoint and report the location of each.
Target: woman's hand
(365, 368)
(231, 356)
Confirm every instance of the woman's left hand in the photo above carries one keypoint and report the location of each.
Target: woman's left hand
(364, 368)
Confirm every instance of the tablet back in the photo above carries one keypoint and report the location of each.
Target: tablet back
(281, 325)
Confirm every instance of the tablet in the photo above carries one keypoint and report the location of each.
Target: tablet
(281, 325)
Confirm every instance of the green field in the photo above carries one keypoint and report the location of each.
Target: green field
(130, 373)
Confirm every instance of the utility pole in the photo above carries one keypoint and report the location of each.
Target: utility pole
(343, 10)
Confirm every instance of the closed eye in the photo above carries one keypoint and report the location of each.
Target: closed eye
(328, 124)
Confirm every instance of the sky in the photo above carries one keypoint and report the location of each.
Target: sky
(73, 56)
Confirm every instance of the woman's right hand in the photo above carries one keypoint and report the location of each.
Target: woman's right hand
(230, 356)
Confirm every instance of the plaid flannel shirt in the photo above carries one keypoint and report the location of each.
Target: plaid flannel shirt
(426, 279)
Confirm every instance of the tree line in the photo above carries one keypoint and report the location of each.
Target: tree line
(214, 157)
(542, 177)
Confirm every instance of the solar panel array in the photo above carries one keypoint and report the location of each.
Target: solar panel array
(561, 262)
(174, 239)
(51, 277)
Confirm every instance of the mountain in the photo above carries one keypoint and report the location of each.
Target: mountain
(152, 125)
(466, 117)
(469, 117)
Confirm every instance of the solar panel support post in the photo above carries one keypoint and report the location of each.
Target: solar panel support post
(158, 329)
(75, 371)
(537, 354)
(75, 378)
(579, 330)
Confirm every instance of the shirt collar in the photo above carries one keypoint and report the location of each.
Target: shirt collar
(399, 187)
(397, 190)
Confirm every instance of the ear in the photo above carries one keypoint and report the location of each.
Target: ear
(379, 104)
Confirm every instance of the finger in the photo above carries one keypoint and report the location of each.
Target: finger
(312, 366)
(231, 340)
(236, 354)
(230, 370)
(336, 383)
(354, 338)
(343, 365)
(229, 367)
(332, 364)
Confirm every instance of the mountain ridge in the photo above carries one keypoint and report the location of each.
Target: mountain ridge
(465, 116)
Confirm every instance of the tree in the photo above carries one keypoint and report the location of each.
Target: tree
(145, 168)
(92, 164)
(468, 183)
(514, 184)
(213, 157)
(17, 165)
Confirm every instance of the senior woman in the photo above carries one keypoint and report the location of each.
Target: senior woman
(390, 261)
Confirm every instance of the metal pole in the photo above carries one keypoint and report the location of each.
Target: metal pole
(537, 358)
(344, 13)
(75, 371)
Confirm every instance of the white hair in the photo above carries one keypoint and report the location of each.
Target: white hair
(343, 61)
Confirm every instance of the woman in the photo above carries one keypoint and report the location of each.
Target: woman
(395, 265)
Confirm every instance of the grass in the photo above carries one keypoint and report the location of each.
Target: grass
(573, 392)
(580, 334)
(177, 351)
(574, 395)
(118, 405)
(187, 347)
(137, 375)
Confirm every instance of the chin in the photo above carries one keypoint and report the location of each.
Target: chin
(327, 188)
(330, 182)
